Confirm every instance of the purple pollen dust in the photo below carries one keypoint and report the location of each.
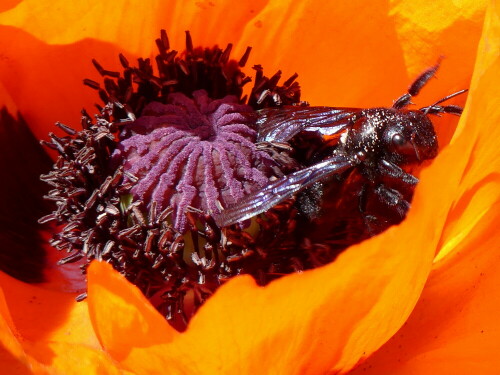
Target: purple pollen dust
(195, 152)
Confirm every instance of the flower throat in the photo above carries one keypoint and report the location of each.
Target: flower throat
(173, 145)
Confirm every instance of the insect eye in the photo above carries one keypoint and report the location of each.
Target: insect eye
(402, 145)
(398, 139)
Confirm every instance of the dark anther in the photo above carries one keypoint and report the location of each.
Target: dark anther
(92, 84)
(245, 56)
(98, 66)
(66, 128)
(81, 297)
(123, 61)
(164, 40)
(189, 42)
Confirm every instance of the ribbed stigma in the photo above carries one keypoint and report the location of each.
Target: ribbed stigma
(193, 152)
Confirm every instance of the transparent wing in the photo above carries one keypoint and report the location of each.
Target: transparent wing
(282, 124)
(282, 189)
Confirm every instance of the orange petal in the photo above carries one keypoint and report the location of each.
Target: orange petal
(37, 334)
(45, 82)
(12, 356)
(441, 28)
(130, 24)
(370, 334)
(72, 359)
(429, 30)
(8, 4)
(7, 101)
(347, 55)
(478, 189)
(333, 69)
(307, 323)
(40, 314)
(454, 328)
(298, 324)
(121, 315)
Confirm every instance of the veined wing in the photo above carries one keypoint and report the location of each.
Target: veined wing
(282, 189)
(282, 124)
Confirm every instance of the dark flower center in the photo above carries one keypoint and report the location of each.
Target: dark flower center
(138, 185)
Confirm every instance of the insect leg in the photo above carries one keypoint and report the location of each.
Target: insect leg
(416, 86)
(368, 220)
(393, 198)
(392, 170)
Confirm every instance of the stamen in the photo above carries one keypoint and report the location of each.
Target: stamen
(137, 186)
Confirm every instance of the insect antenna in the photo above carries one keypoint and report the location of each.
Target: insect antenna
(452, 109)
(416, 86)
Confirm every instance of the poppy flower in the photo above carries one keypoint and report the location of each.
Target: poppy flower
(420, 297)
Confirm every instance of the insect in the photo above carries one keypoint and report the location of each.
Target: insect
(368, 148)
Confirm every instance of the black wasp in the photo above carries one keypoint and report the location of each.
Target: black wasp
(358, 165)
